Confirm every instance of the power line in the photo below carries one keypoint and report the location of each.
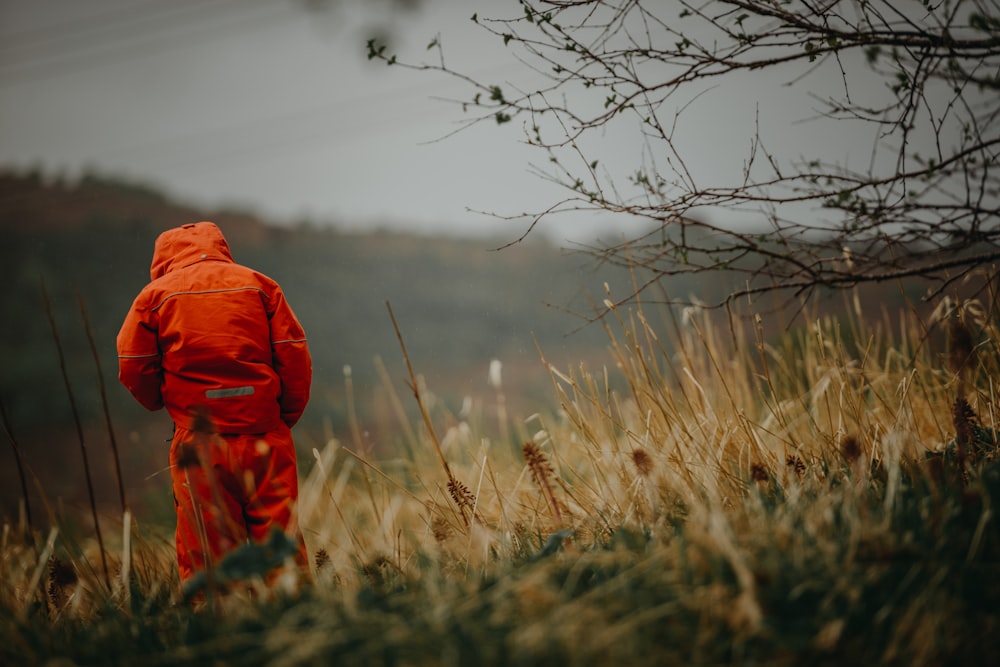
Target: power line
(299, 130)
(169, 31)
(304, 129)
(104, 20)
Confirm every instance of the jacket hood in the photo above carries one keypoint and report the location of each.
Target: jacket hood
(185, 245)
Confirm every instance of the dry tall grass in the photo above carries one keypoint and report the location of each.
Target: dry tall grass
(714, 495)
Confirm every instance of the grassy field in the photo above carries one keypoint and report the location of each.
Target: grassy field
(711, 495)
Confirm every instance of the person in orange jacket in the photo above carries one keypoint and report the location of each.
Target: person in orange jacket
(217, 345)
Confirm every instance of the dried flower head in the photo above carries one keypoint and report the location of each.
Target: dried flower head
(541, 472)
(61, 576)
(60, 573)
(461, 494)
(376, 568)
(322, 559)
(758, 473)
(850, 448)
(536, 460)
(966, 425)
(643, 462)
(795, 463)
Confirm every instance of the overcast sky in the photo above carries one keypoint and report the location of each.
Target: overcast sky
(273, 106)
(263, 104)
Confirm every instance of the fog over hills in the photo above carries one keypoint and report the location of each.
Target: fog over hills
(459, 302)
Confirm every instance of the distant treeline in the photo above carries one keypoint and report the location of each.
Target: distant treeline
(459, 304)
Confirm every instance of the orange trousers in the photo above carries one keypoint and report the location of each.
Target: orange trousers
(230, 489)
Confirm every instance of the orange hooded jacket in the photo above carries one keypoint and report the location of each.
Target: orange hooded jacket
(209, 332)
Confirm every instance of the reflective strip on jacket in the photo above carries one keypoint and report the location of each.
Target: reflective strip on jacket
(207, 331)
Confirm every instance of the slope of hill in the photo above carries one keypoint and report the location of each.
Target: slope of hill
(459, 304)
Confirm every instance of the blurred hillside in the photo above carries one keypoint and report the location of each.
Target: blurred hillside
(459, 305)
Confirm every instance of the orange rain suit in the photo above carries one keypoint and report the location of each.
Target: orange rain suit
(210, 338)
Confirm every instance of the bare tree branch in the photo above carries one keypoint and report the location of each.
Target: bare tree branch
(921, 78)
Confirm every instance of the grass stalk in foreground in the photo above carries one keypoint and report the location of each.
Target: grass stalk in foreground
(112, 441)
(79, 430)
(785, 500)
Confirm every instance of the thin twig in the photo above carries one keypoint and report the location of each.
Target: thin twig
(336, 506)
(79, 429)
(20, 471)
(104, 402)
(423, 412)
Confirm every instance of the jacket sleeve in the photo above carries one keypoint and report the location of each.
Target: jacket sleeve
(292, 360)
(139, 359)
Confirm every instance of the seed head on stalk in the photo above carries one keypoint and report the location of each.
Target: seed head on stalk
(541, 472)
